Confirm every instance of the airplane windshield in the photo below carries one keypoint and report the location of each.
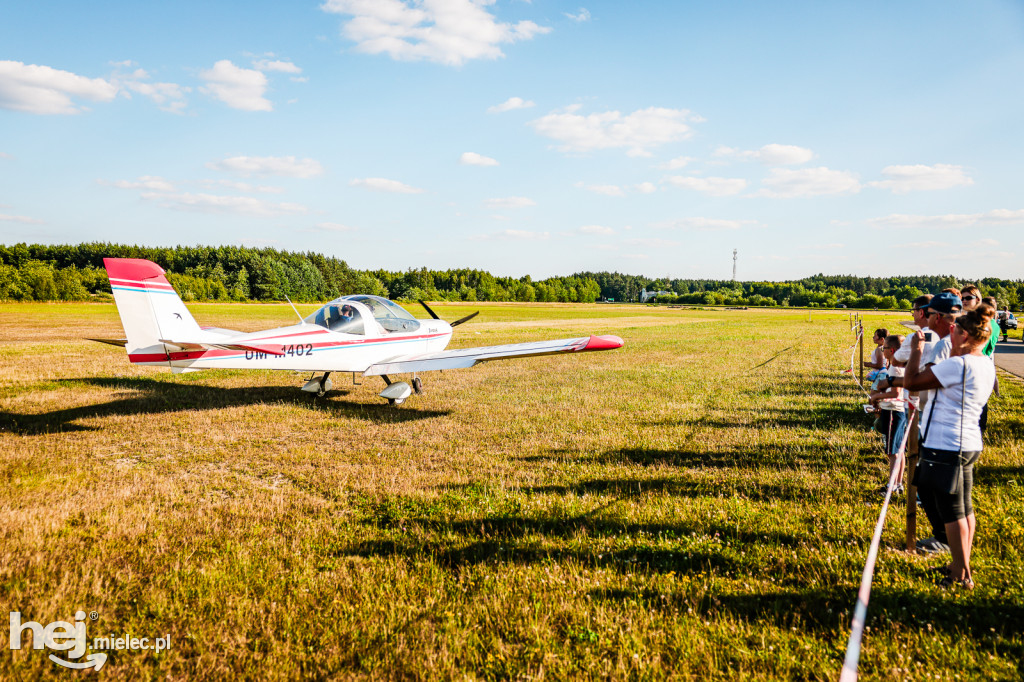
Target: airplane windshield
(338, 316)
(391, 316)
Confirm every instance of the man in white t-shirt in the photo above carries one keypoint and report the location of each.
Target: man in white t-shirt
(941, 315)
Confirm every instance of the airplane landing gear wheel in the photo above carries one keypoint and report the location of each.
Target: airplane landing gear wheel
(417, 385)
(391, 401)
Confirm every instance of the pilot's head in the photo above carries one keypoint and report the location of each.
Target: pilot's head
(347, 311)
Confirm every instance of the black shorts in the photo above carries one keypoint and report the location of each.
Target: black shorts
(957, 505)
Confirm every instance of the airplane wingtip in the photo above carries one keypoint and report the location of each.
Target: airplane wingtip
(606, 342)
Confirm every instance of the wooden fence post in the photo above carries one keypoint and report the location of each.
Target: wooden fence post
(912, 452)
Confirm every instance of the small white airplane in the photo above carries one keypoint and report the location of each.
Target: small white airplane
(362, 334)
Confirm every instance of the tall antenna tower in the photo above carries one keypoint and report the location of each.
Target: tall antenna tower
(734, 252)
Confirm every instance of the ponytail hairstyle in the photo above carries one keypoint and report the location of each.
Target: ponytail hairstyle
(977, 323)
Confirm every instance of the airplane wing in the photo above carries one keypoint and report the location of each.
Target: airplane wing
(467, 357)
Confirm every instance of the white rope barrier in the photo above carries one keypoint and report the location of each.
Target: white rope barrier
(853, 354)
(860, 609)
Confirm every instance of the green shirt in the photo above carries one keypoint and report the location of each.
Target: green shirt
(993, 338)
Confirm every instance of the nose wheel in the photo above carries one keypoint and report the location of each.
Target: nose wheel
(417, 385)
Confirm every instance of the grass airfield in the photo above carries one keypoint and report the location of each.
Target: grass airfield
(695, 505)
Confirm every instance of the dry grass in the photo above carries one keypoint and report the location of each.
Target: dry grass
(695, 505)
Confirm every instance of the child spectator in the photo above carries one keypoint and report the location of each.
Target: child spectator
(891, 401)
(877, 361)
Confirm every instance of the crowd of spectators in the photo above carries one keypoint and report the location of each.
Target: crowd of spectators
(934, 385)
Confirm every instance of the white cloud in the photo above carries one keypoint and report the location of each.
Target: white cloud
(922, 245)
(607, 190)
(808, 182)
(168, 96)
(5, 156)
(1000, 216)
(474, 159)
(988, 242)
(385, 185)
(704, 224)
(770, 154)
(637, 132)
(20, 219)
(582, 15)
(150, 182)
(596, 229)
(783, 155)
(243, 186)
(38, 89)
(676, 163)
(645, 188)
(276, 65)
(903, 179)
(237, 87)
(510, 104)
(512, 235)
(652, 243)
(288, 166)
(334, 227)
(443, 31)
(715, 187)
(510, 202)
(212, 203)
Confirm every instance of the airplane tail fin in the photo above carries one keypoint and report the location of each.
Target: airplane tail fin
(149, 307)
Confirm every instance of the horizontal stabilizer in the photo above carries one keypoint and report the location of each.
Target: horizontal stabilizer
(112, 342)
(467, 357)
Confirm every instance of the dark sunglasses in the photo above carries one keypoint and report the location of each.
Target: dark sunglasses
(969, 298)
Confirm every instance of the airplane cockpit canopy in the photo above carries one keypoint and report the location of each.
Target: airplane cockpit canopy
(388, 314)
(339, 316)
(353, 315)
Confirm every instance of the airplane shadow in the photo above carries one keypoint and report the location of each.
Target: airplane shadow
(157, 397)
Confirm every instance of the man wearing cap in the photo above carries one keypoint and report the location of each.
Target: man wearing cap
(942, 312)
(934, 315)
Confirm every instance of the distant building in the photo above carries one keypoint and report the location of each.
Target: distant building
(647, 295)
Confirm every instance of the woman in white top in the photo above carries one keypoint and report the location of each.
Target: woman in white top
(951, 439)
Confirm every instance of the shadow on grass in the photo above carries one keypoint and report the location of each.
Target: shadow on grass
(824, 610)
(158, 397)
(770, 457)
(820, 417)
(478, 552)
(997, 475)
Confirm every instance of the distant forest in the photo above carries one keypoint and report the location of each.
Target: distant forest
(35, 272)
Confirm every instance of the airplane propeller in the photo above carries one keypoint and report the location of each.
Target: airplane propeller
(456, 323)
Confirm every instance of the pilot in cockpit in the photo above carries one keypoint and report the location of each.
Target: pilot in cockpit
(335, 317)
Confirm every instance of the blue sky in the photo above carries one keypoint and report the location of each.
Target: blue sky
(541, 138)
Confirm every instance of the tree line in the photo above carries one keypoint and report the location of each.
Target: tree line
(37, 272)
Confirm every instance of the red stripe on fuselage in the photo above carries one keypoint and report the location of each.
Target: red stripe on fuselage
(148, 357)
(215, 353)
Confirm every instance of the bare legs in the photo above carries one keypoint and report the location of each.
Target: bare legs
(959, 534)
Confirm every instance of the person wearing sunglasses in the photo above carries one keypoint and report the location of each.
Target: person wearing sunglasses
(951, 440)
(972, 299)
